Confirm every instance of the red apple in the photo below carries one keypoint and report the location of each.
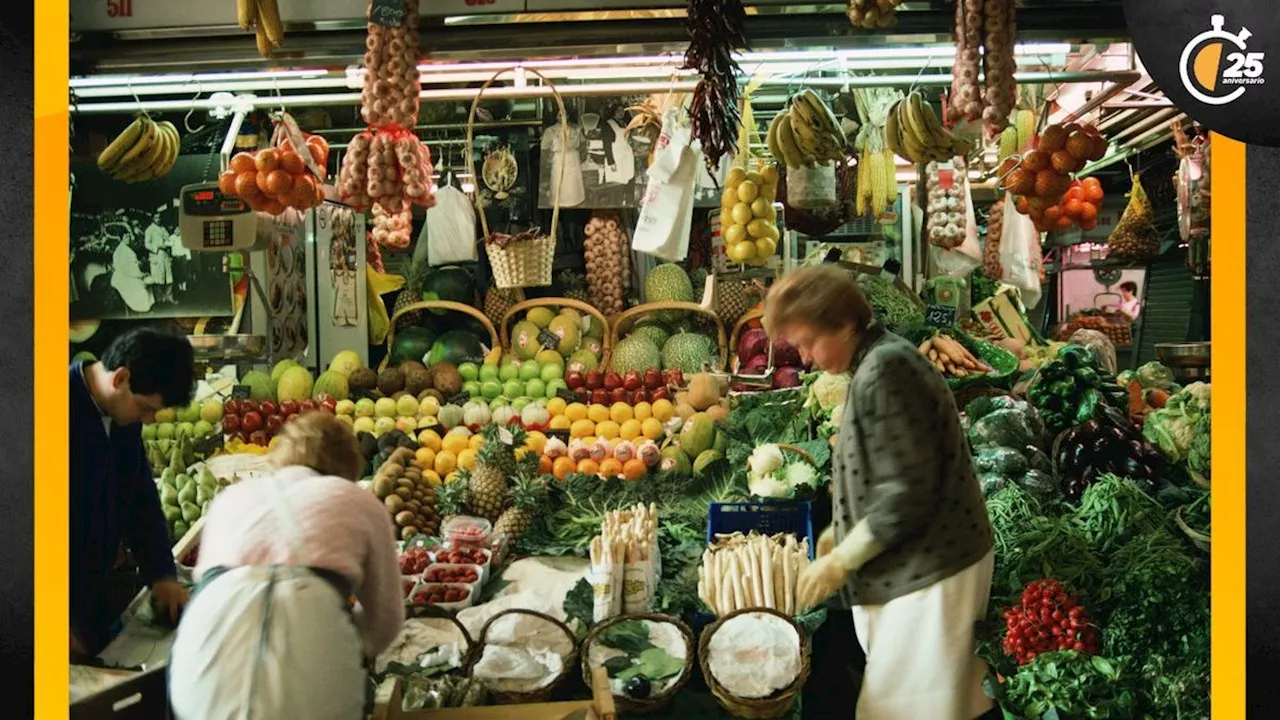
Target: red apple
(274, 423)
(248, 406)
(231, 424)
(575, 380)
(660, 394)
(639, 396)
(307, 406)
(268, 408)
(632, 381)
(259, 438)
(612, 381)
(675, 378)
(252, 421)
(322, 398)
(231, 407)
(289, 407)
(329, 405)
(620, 395)
(600, 396)
(595, 380)
(653, 378)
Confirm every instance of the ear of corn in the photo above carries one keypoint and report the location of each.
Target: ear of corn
(269, 19)
(1025, 122)
(890, 177)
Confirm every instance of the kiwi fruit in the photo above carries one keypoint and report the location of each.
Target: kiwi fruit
(382, 488)
(394, 503)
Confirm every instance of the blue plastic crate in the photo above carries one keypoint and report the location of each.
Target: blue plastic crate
(765, 518)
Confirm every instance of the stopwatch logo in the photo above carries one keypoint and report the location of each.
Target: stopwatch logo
(1217, 67)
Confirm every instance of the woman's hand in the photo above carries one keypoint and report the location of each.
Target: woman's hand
(169, 595)
(826, 541)
(820, 581)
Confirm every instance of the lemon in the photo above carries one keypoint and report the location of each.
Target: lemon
(430, 439)
(426, 457)
(663, 410)
(765, 248)
(477, 442)
(582, 429)
(467, 459)
(742, 213)
(651, 428)
(632, 429)
(757, 229)
(446, 462)
(740, 252)
(736, 176)
(561, 422)
(576, 412)
(771, 232)
(556, 406)
(760, 207)
(621, 412)
(432, 477)
(535, 441)
(643, 411)
(748, 191)
(454, 444)
(734, 234)
(609, 430)
(597, 413)
(755, 178)
(769, 175)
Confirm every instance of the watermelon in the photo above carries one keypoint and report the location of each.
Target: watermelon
(412, 343)
(456, 347)
(451, 283)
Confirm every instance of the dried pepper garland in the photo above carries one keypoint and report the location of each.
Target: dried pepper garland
(715, 31)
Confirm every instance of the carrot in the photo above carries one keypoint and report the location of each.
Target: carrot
(1137, 404)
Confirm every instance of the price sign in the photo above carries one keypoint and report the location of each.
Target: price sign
(241, 392)
(460, 399)
(548, 339)
(946, 178)
(567, 395)
(939, 315)
(388, 13)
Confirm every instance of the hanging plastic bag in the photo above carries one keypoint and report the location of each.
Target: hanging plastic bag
(666, 215)
(962, 259)
(1018, 235)
(450, 229)
(1135, 237)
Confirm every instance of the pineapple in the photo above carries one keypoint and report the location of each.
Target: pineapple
(451, 497)
(574, 286)
(528, 496)
(497, 303)
(411, 294)
(489, 482)
(734, 299)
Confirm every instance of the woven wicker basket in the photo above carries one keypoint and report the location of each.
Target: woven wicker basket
(653, 703)
(524, 263)
(436, 305)
(536, 696)
(769, 708)
(623, 322)
(434, 612)
(504, 327)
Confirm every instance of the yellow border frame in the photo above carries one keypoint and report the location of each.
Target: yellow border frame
(51, 340)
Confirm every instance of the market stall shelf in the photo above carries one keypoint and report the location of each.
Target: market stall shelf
(389, 701)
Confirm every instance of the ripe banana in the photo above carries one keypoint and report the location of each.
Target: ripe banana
(129, 161)
(109, 158)
(147, 159)
(792, 154)
(771, 137)
(157, 154)
(816, 128)
(916, 151)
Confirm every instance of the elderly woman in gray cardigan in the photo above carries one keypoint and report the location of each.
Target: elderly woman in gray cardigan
(910, 547)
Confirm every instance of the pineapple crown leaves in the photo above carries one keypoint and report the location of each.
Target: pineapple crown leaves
(499, 441)
(529, 492)
(451, 497)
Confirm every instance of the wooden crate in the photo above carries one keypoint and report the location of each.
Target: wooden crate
(390, 700)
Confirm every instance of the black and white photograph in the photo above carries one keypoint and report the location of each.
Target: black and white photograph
(127, 256)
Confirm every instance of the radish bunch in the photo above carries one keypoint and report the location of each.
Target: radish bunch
(1048, 619)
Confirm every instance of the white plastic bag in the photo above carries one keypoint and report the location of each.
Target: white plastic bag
(960, 261)
(1021, 268)
(448, 237)
(666, 215)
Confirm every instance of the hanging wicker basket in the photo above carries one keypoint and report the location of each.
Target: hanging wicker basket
(523, 260)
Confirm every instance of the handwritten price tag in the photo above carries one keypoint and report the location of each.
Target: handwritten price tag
(940, 315)
(946, 178)
(388, 13)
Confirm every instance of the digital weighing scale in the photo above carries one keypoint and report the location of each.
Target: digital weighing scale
(209, 221)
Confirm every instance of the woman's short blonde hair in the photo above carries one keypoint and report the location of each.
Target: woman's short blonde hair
(321, 442)
(826, 297)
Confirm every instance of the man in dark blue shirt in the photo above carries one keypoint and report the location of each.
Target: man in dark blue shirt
(114, 502)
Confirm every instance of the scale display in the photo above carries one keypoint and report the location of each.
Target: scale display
(211, 221)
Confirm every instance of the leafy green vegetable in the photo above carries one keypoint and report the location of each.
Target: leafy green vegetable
(1067, 684)
(1114, 510)
(579, 604)
(1174, 427)
(1155, 375)
(630, 637)
(615, 666)
(892, 307)
(655, 664)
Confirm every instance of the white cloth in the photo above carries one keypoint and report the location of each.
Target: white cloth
(921, 653)
(572, 191)
(448, 236)
(623, 169)
(129, 279)
(248, 648)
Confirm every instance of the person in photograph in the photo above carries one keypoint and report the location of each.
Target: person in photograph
(114, 504)
(181, 261)
(156, 239)
(298, 584)
(910, 547)
(128, 278)
(1129, 306)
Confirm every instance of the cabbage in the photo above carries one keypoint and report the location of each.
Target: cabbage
(800, 474)
(765, 459)
(1155, 375)
(768, 486)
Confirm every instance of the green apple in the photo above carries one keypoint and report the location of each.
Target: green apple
(166, 415)
(345, 407)
(211, 411)
(530, 370)
(520, 403)
(498, 402)
(364, 423)
(149, 431)
(508, 358)
(551, 372)
(490, 389)
(165, 431)
(204, 429)
(185, 430)
(535, 388)
(384, 425)
(365, 408)
(555, 386)
(407, 406)
(470, 371)
(385, 408)
(513, 389)
(473, 388)
(509, 373)
(487, 373)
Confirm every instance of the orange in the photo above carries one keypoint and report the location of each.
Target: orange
(634, 469)
(545, 466)
(426, 456)
(562, 467)
(589, 467)
(610, 468)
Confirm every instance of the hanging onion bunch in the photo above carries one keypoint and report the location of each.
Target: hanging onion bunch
(715, 31)
(608, 254)
(393, 230)
(387, 167)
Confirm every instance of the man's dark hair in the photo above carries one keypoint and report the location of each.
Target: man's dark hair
(1130, 286)
(158, 361)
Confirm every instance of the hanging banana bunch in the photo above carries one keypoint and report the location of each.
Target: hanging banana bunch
(263, 17)
(145, 150)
